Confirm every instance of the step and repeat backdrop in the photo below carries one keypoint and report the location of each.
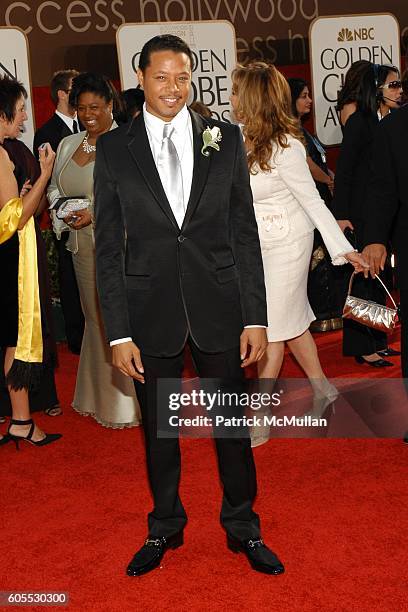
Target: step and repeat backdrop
(82, 33)
(107, 35)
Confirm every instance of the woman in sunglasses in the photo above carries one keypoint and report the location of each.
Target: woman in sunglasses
(389, 90)
(375, 92)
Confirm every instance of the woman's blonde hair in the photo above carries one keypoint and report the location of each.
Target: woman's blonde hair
(264, 106)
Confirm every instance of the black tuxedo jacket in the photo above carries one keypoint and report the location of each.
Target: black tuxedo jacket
(53, 131)
(387, 197)
(158, 283)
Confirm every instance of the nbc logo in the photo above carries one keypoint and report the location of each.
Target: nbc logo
(345, 35)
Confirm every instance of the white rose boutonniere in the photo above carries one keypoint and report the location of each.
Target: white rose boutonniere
(211, 138)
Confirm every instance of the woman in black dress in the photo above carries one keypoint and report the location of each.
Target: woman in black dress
(371, 84)
(21, 335)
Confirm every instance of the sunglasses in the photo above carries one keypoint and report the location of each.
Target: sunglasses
(392, 85)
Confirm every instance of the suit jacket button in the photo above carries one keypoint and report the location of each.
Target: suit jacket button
(181, 238)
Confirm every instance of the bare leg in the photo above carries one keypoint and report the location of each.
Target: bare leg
(271, 363)
(305, 352)
(19, 404)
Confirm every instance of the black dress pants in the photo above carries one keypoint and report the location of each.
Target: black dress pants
(235, 459)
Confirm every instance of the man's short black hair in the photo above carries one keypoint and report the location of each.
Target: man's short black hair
(11, 91)
(165, 42)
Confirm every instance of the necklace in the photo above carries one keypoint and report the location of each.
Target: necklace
(87, 147)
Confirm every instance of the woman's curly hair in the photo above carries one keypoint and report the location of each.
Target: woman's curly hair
(264, 105)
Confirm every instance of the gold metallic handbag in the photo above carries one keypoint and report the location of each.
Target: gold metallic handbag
(370, 313)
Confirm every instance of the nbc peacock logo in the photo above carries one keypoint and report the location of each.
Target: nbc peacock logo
(345, 35)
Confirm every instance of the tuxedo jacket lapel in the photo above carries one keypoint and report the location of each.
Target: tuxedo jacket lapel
(201, 167)
(140, 150)
(61, 126)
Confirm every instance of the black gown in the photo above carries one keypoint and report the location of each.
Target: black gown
(45, 396)
(323, 289)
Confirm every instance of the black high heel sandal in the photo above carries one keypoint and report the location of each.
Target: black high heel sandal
(6, 438)
(28, 438)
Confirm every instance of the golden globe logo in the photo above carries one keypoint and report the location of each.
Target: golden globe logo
(347, 35)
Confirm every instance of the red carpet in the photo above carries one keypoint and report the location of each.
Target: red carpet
(334, 510)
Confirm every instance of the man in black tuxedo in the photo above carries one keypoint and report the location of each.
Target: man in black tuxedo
(63, 123)
(178, 261)
(387, 208)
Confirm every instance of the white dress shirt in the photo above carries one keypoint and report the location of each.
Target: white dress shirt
(69, 121)
(182, 138)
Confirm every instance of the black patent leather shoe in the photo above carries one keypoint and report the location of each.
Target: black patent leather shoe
(151, 554)
(261, 558)
(378, 363)
(389, 352)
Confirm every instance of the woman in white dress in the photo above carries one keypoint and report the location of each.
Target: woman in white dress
(288, 208)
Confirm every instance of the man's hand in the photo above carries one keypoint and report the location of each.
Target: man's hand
(256, 339)
(344, 224)
(375, 254)
(126, 357)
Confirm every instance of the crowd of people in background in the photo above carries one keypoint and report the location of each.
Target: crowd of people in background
(297, 198)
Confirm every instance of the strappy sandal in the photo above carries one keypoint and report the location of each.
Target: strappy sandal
(48, 438)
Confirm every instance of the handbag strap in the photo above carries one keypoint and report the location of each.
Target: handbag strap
(379, 279)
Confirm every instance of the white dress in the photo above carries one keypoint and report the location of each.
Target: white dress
(288, 208)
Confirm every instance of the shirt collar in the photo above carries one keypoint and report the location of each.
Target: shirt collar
(155, 125)
(66, 117)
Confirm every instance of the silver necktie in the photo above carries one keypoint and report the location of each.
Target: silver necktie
(170, 174)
